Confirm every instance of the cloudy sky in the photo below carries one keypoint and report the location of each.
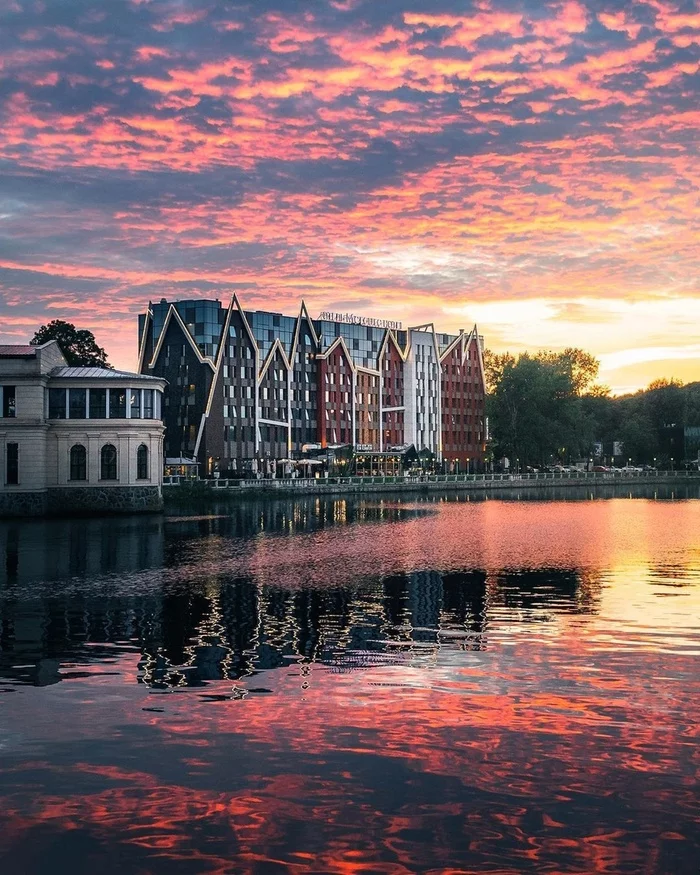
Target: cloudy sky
(527, 165)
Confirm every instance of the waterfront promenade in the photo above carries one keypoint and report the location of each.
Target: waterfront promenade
(174, 486)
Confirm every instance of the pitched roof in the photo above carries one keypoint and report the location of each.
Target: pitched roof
(96, 374)
(23, 350)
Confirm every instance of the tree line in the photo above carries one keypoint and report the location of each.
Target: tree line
(547, 407)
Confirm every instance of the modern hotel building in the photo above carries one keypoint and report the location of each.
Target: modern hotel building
(245, 385)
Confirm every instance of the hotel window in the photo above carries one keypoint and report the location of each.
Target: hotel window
(78, 463)
(57, 403)
(7, 402)
(77, 403)
(12, 464)
(142, 463)
(108, 462)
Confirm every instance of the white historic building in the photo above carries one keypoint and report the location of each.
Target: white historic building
(77, 439)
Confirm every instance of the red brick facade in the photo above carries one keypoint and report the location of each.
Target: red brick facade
(335, 397)
(463, 400)
(392, 370)
(367, 410)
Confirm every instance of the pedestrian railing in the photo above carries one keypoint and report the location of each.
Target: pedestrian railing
(517, 479)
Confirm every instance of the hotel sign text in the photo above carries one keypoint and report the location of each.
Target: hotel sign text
(353, 319)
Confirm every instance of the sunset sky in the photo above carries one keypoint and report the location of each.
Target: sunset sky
(527, 165)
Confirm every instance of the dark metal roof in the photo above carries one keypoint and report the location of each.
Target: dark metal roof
(23, 350)
(97, 374)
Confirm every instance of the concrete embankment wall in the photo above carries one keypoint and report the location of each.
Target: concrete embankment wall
(367, 485)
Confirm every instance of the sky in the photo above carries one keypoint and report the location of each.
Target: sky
(527, 165)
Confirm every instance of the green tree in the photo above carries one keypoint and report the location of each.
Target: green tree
(581, 366)
(531, 408)
(494, 365)
(77, 345)
(664, 401)
(538, 406)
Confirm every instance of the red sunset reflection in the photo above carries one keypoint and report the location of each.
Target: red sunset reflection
(465, 714)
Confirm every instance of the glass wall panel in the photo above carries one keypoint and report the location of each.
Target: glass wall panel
(57, 403)
(117, 403)
(76, 402)
(148, 404)
(135, 403)
(98, 403)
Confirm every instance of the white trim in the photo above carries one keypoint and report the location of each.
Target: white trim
(142, 345)
(156, 353)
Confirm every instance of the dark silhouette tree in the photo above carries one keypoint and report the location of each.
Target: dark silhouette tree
(78, 345)
(535, 404)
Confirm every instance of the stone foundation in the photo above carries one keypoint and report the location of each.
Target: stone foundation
(82, 500)
(13, 504)
(109, 499)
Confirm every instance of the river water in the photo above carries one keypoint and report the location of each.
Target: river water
(429, 685)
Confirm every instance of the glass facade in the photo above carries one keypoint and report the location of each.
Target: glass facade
(251, 407)
(204, 321)
(119, 403)
(363, 342)
(267, 327)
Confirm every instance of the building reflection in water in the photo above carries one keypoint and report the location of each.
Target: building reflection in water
(68, 598)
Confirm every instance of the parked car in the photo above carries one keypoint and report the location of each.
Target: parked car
(600, 469)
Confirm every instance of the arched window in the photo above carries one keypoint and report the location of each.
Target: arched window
(142, 462)
(108, 462)
(78, 462)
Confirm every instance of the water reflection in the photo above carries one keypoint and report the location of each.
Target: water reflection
(385, 686)
(232, 628)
